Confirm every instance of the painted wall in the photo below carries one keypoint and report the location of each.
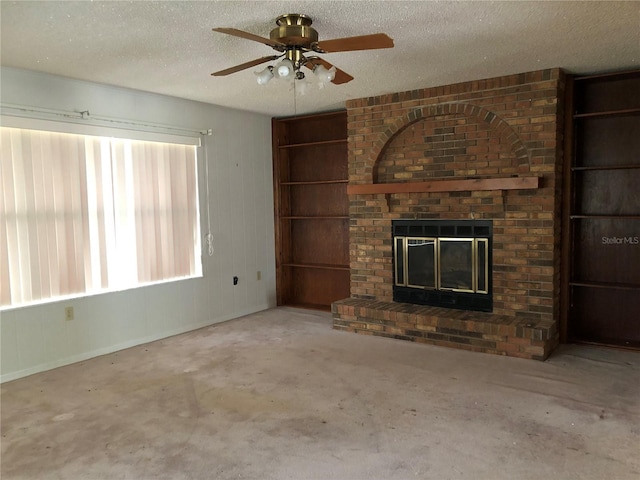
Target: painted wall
(38, 338)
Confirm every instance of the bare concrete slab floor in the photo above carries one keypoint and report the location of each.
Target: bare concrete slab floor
(280, 395)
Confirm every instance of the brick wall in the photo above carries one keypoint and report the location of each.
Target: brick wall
(501, 127)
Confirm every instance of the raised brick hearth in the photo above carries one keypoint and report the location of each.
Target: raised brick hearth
(484, 150)
(478, 332)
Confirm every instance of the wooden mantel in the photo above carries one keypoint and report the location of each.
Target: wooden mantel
(473, 184)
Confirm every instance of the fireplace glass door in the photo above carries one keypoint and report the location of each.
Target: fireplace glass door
(421, 262)
(443, 263)
(456, 264)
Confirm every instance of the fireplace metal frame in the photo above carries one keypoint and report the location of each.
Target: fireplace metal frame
(478, 297)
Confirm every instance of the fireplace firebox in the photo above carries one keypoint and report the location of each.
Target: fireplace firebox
(443, 263)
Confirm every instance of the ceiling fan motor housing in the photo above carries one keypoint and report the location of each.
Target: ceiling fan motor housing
(294, 29)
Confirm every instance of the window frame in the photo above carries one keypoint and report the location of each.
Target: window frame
(110, 135)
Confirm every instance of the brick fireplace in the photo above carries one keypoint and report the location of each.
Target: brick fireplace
(486, 150)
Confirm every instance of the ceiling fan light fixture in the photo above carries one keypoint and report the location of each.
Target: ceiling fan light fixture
(323, 75)
(284, 69)
(264, 76)
(301, 86)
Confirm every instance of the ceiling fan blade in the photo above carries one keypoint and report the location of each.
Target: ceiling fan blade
(250, 36)
(245, 65)
(341, 76)
(347, 44)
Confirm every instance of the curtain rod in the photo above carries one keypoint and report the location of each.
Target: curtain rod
(86, 117)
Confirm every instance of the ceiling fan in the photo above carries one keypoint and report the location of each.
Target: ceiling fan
(295, 39)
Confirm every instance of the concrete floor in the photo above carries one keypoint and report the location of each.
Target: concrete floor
(280, 395)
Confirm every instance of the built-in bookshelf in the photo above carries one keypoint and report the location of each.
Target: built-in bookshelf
(311, 209)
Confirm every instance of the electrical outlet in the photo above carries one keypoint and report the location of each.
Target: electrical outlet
(68, 313)
(259, 275)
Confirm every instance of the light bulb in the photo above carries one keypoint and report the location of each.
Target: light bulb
(264, 76)
(284, 69)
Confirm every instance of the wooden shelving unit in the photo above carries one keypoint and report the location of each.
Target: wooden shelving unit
(602, 211)
(311, 209)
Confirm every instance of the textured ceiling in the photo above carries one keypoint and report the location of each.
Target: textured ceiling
(169, 48)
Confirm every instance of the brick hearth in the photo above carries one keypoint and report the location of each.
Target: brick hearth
(496, 134)
(478, 332)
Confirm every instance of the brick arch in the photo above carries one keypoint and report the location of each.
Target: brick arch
(420, 114)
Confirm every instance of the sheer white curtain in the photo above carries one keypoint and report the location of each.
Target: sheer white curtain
(84, 214)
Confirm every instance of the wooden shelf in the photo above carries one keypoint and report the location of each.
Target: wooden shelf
(617, 286)
(309, 117)
(605, 217)
(611, 113)
(317, 265)
(315, 217)
(314, 144)
(317, 182)
(607, 77)
(474, 184)
(605, 167)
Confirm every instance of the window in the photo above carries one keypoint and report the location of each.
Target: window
(85, 214)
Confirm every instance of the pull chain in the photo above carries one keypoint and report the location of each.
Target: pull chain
(295, 102)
